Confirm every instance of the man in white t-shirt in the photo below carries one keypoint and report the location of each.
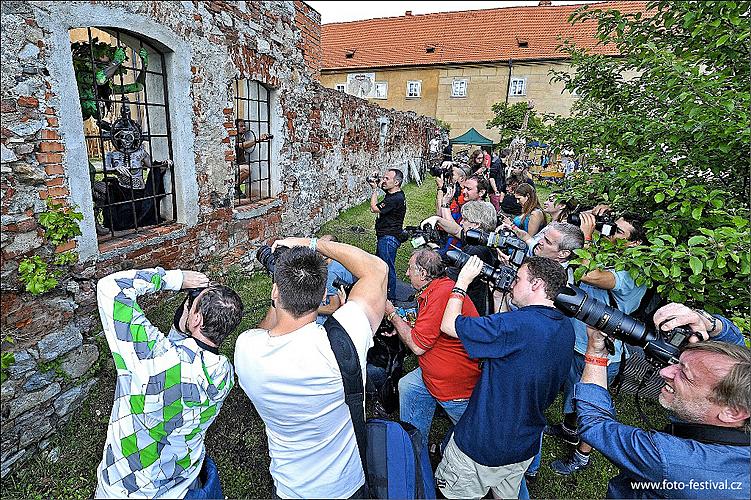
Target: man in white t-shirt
(289, 372)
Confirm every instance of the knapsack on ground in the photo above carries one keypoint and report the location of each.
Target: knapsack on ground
(391, 452)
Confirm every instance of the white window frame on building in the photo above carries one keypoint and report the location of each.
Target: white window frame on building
(517, 87)
(381, 90)
(340, 87)
(414, 89)
(459, 87)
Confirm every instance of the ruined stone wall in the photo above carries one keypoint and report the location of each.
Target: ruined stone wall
(325, 143)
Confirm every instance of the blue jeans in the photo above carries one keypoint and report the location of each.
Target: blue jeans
(575, 374)
(207, 483)
(417, 405)
(386, 248)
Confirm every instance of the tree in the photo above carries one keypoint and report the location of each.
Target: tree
(665, 129)
(508, 120)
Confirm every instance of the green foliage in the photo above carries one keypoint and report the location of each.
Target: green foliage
(7, 358)
(60, 226)
(508, 120)
(60, 223)
(38, 278)
(665, 131)
(443, 125)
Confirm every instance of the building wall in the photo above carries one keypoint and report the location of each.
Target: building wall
(308, 21)
(324, 145)
(397, 88)
(487, 84)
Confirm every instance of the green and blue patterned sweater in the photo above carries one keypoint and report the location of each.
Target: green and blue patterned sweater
(169, 391)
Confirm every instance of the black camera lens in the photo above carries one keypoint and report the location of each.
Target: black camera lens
(500, 278)
(190, 297)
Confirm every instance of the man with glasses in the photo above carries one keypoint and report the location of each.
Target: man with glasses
(526, 355)
(390, 221)
(169, 388)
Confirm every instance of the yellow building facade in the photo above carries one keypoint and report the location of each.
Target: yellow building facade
(462, 95)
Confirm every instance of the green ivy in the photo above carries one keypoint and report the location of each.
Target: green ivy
(60, 223)
(38, 278)
(6, 360)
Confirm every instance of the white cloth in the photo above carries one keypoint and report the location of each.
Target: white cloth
(295, 384)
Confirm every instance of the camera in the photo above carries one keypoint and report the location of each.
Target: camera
(603, 223)
(190, 297)
(420, 236)
(444, 171)
(373, 178)
(660, 348)
(267, 258)
(500, 278)
(340, 283)
(504, 239)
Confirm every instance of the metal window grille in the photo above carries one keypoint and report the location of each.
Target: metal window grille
(125, 200)
(252, 147)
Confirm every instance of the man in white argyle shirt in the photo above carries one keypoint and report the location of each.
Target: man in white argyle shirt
(169, 388)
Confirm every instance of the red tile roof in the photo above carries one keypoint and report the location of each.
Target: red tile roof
(462, 37)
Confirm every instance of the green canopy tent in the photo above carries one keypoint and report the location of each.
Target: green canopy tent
(472, 138)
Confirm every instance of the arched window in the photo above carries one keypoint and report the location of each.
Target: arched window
(253, 141)
(122, 87)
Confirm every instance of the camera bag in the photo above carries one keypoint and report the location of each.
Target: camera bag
(395, 463)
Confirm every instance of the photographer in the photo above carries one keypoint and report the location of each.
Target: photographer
(390, 220)
(527, 354)
(149, 420)
(497, 177)
(446, 374)
(288, 370)
(475, 215)
(706, 453)
(619, 289)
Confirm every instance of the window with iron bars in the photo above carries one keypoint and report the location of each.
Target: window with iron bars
(253, 141)
(134, 189)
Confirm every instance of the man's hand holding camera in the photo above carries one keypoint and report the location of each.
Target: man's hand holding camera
(469, 272)
(194, 279)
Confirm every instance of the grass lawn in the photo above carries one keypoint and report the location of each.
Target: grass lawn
(237, 440)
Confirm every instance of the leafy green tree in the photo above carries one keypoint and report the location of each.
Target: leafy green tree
(665, 130)
(509, 119)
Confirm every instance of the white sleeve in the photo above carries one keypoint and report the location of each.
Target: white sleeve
(352, 317)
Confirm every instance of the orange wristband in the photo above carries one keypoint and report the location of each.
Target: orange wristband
(593, 360)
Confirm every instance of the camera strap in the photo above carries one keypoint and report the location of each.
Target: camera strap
(709, 434)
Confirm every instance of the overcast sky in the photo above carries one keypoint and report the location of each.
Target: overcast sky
(338, 11)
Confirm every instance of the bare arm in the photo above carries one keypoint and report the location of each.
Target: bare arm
(449, 225)
(454, 306)
(405, 333)
(600, 279)
(374, 201)
(536, 220)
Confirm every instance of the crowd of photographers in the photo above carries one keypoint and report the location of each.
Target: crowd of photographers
(499, 328)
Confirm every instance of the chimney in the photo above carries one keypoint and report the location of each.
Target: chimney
(545, 3)
(408, 13)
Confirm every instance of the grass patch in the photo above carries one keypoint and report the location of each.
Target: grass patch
(237, 439)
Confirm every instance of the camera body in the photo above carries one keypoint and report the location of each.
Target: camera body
(604, 223)
(340, 283)
(660, 348)
(373, 178)
(504, 239)
(267, 258)
(420, 236)
(500, 278)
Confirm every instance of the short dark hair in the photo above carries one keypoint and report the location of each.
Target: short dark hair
(222, 309)
(637, 222)
(431, 261)
(398, 175)
(300, 275)
(482, 184)
(549, 271)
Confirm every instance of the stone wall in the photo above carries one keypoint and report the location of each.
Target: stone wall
(325, 143)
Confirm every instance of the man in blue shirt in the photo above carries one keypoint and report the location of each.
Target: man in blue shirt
(706, 455)
(526, 355)
(618, 289)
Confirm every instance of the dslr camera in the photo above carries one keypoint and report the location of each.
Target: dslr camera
(604, 223)
(660, 348)
(374, 178)
(267, 258)
(505, 239)
(420, 236)
(444, 171)
(499, 278)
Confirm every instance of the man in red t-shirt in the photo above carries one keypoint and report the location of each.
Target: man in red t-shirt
(446, 374)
